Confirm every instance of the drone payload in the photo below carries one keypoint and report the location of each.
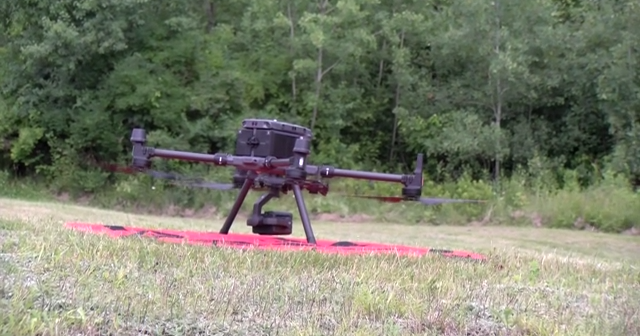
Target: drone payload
(272, 155)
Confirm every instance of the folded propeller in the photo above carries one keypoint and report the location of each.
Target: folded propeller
(423, 200)
(200, 183)
(174, 178)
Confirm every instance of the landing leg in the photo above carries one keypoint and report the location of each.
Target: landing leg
(236, 206)
(304, 215)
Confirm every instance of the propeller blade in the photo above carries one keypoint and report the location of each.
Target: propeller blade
(117, 168)
(131, 170)
(430, 201)
(208, 185)
(389, 199)
(176, 179)
(423, 200)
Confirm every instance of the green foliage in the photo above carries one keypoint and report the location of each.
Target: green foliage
(503, 97)
(608, 206)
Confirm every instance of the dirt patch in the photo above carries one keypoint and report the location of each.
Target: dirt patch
(581, 224)
(81, 200)
(534, 218)
(634, 231)
(485, 220)
(360, 218)
(332, 217)
(63, 197)
(177, 211)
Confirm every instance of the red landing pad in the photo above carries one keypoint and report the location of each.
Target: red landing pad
(247, 241)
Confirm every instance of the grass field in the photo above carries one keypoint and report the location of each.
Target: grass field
(54, 281)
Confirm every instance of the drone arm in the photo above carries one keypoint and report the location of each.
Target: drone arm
(217, 159)
(413, 181)
(329, 172)
(299, 168)
(278, 163)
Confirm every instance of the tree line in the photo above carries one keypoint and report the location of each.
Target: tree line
(480, 87)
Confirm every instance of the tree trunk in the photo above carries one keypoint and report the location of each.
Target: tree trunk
(210, 8)
(394, 134)
(292, 37)
(498, 96)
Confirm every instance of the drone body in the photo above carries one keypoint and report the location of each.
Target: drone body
(271, 155)
(269, 139)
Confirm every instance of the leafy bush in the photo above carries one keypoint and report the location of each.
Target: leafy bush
(610, 205)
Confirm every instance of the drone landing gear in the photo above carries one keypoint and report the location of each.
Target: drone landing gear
(272, 223)
(304, 215)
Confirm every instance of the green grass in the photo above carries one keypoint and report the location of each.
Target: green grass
(54, 281)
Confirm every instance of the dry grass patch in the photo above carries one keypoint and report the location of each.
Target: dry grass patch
(60, 282)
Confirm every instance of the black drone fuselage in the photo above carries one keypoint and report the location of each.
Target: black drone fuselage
(273, 155)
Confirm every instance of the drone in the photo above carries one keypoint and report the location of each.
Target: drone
(271, 156)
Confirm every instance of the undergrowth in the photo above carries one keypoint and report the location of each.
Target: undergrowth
(609, 204)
